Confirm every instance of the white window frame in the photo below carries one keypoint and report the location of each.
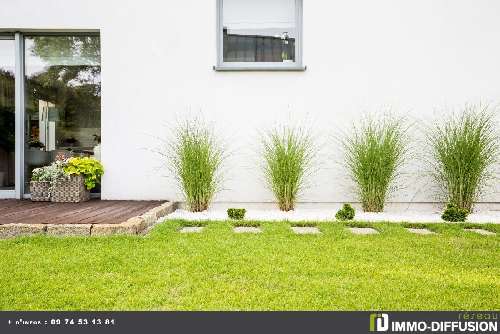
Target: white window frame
(260, 66)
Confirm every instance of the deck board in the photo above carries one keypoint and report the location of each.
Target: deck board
(91, 212)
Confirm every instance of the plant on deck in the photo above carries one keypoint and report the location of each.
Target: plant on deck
(465, 148)
(288, 155)
(374, 154)
(196, 159)
(90, 168)
(50, 173)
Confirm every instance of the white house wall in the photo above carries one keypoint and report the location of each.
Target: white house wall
(419, 57)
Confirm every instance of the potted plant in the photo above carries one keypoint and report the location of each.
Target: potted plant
(40, 185)
(42, 180)
(35, 154)
(81, 175)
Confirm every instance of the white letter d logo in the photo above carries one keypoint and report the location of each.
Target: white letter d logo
(382, 323)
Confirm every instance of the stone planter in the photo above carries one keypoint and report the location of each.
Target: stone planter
(71, 190)
(40, 191)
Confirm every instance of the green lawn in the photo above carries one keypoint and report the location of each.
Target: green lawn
(276, 270)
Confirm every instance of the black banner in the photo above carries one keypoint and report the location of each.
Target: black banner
(249, 322)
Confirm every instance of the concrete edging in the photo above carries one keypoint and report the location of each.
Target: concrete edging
(133, 226)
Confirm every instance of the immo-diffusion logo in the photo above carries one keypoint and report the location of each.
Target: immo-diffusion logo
(474, 323)
(379, 322)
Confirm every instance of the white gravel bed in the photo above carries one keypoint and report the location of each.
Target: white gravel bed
(329, 215)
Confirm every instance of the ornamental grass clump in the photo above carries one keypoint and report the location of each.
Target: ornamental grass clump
(288, 155)
(196, 159)
(374, 155)
(465, 149)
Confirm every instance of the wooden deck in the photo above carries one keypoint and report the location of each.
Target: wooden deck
(91, 212)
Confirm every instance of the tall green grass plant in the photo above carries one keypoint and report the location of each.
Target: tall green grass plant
(288, 157)
(465, 149)
(196, 158)
(374, 154)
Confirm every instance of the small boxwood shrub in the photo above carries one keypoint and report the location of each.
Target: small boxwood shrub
(453, 213)
(346, 213)
(236, 214)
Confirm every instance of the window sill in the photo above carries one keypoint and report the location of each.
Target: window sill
(238, 68)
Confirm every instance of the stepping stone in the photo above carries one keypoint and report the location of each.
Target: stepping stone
(363, 230)
(305, 230)
(245, 229)
(192, 229)
(422, 231)
(480, 231)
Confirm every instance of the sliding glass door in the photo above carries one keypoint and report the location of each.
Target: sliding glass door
(62, 98)
(50, 103)
(7, 115)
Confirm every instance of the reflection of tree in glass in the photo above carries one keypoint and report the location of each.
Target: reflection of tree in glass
(68, 49)
(7, 112)
(70, 80)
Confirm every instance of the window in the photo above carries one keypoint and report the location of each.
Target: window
(259, 35)
(62, 98)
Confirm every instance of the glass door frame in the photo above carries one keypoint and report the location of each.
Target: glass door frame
(19, 38)
(18, 191)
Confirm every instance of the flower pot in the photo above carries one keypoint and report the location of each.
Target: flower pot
(71, 190)
(40, 191)
(36, 157)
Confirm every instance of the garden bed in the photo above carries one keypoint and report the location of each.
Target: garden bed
(325, 214)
